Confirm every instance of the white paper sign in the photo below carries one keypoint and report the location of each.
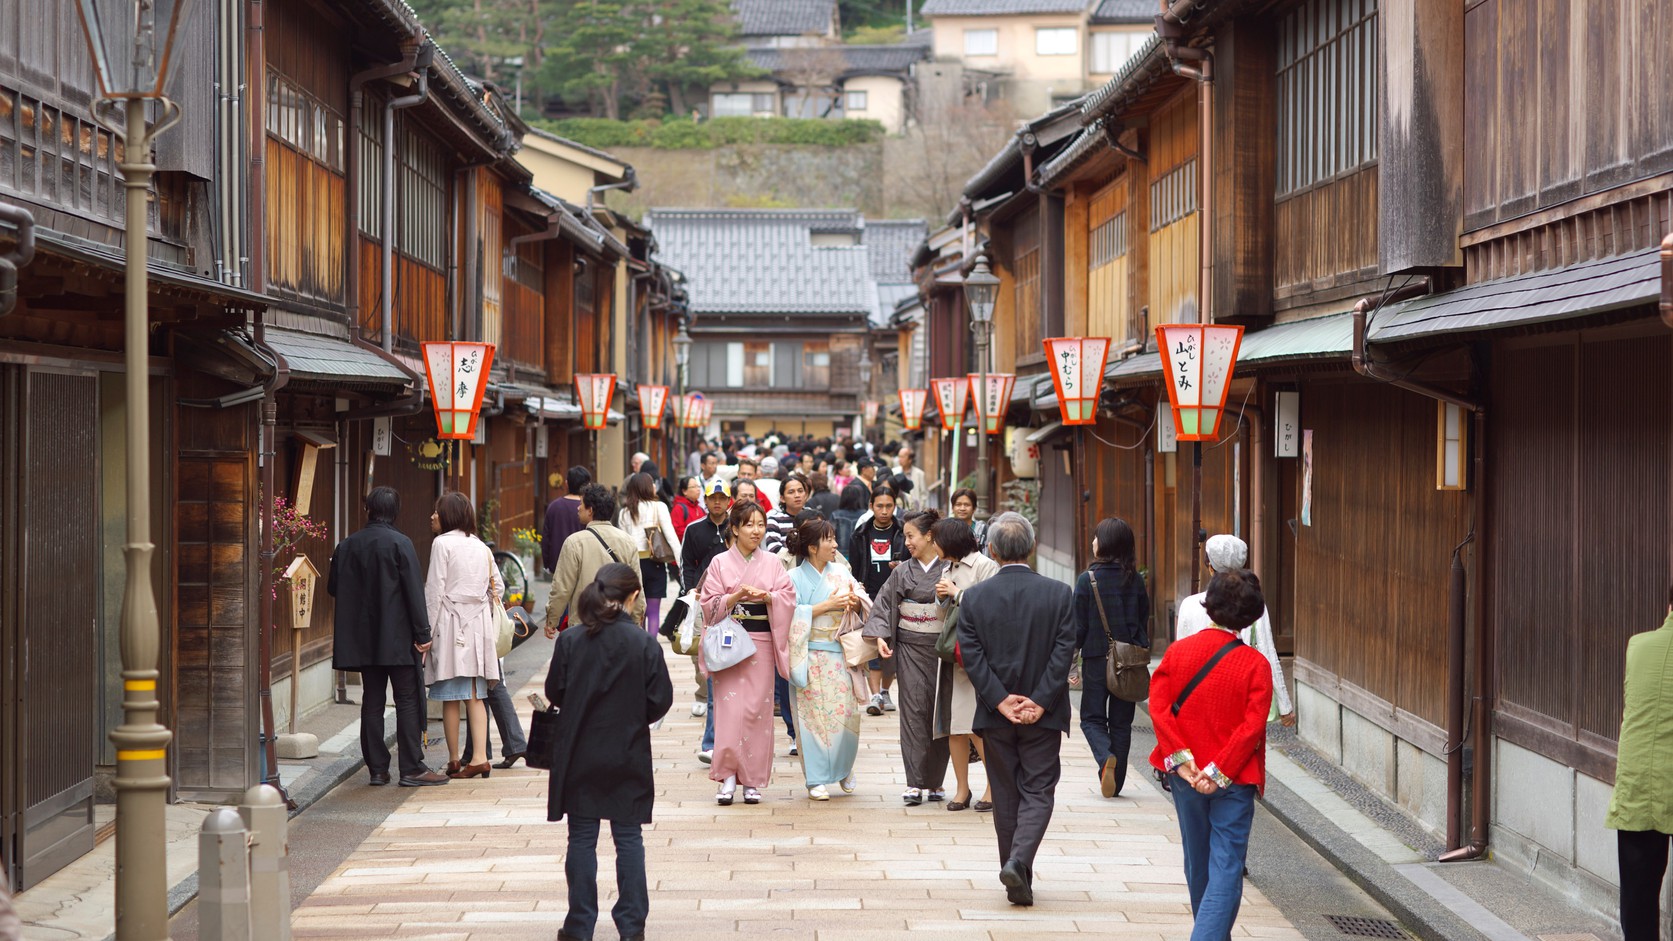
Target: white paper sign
(1286, 425)
(383, 436)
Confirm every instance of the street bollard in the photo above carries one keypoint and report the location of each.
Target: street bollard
(265, 814)
(224, 877)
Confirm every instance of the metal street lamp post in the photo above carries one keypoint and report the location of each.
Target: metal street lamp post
(132, 45)
(981, 288)
(865, 388)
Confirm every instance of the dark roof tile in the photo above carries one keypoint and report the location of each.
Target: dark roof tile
(1124, 12)
(784, 17)
(1000, 7)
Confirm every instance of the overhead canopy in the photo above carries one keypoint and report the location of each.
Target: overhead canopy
(1588, 287)
(312, 357)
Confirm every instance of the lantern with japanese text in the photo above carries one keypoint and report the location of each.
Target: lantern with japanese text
(458, 375)
(912, 402)
(691, 410)
(593, 391)
(1199, 359)
(1077, 370)
(871, 409)
(992, 401)
(653, 401)
(708, 410)
(951, 395)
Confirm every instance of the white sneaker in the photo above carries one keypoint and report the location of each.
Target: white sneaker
(818, 793)
(793, 751)
(706, 757)
(699, 709)
(849, 784)
(888, 704)
(875, 707)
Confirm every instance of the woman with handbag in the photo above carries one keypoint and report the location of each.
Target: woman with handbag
(461, 591)
(829, 694)
(745, 592)
(906, 621)
(609, 684)
(646, 520)
(966, 566)
(1112, 610)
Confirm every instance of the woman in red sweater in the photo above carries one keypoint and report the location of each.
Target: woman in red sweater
(1208, 703)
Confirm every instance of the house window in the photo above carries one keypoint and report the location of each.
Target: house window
(1110, 51)
(816, 365)
(421, 174)
(1327, 91)
(981, 42)
(304, 122)
(1173, 195)
(758, 365)
(854, 101)
(742, 104)
(1029, 313)
(1109, 240)
(1056, 41)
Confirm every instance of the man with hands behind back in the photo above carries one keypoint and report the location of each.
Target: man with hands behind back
(1016, 636)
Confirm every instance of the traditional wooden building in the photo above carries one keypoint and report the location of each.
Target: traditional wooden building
(1447, 308)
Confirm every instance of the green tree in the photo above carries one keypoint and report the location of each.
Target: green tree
(596, 58)
(496, 40)
(692, 47)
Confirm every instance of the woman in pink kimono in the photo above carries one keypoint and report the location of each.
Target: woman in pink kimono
(459, 592)
(748, 584)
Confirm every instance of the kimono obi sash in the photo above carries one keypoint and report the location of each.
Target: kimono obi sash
(751, 616)
(920, 618)
(826, 645)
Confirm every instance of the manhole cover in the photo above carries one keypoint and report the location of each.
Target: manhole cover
(1361, 927)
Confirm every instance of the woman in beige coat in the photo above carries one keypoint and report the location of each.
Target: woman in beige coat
(459, 592)
(955, 714)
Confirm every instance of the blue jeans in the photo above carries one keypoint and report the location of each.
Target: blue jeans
(504, 711)
(781, 696)
(580, 869)
(1106, 722)
(709, 721)
(1214, 831)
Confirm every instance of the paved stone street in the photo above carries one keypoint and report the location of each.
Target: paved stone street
(478, 859)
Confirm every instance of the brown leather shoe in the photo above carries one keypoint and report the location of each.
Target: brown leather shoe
(473, 771)
(452, 768)
(427, 779)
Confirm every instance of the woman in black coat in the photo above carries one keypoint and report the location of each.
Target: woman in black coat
(1107, 722)
(610, 684)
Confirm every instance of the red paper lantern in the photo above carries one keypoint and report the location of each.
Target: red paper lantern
(1077, 370)
(708, 412)
(691, 410)
(593, 390)
(951, 395)
(871, 409)
(653, 401)
(458, 375)
(1199, 359)
(992, 401)
(912, 402)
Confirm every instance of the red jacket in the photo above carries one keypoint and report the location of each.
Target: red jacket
(1223, 723)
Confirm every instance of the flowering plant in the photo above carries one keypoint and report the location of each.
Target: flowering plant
(525, 539)
(290, 528)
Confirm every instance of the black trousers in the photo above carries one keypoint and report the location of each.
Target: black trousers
(1643, 856)
(1024, 765)
(409, 718)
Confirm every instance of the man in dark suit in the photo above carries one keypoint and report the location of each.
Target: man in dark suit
(1016, 635)
(382, 627)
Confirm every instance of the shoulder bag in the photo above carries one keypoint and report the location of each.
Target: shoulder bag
(725, 645)
(946, 644)
(1203, 671)
(1127, 668)
(543, 736)
(506, 630)
(661, 551)
(606, 547)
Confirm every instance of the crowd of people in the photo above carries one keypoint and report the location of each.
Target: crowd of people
(827, 588)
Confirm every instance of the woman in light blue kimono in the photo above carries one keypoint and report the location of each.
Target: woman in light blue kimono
(829, 695)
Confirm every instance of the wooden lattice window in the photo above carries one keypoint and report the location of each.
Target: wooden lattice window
(1327, 91)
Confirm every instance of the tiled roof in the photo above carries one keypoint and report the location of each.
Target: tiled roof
(890, 245)
(1000, 7)
(764, 261)
(1124, 11)
(856, 59)
(310, 356)
(784, 17)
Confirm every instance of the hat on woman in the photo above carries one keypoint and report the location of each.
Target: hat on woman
(1226, 553)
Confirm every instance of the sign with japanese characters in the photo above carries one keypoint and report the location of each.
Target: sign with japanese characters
(301, 579)
(1077, 370)
(458, 375)
(691, 410)
(912, 402)
(1286, 425)
(593, 391)
(653, 401)
(871, 409)
(1198, 359)
(952, 396)
(992, 401)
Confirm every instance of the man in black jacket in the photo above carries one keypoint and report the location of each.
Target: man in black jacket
(382, 627)
(877, 546)
(1016, 635)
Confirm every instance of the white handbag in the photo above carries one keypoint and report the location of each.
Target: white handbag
(690, 629)
(725, 645)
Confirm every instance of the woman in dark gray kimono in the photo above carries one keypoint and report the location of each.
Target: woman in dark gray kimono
(906, 621)
(609, 683)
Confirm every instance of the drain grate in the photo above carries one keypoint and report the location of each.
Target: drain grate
(1361, 927)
